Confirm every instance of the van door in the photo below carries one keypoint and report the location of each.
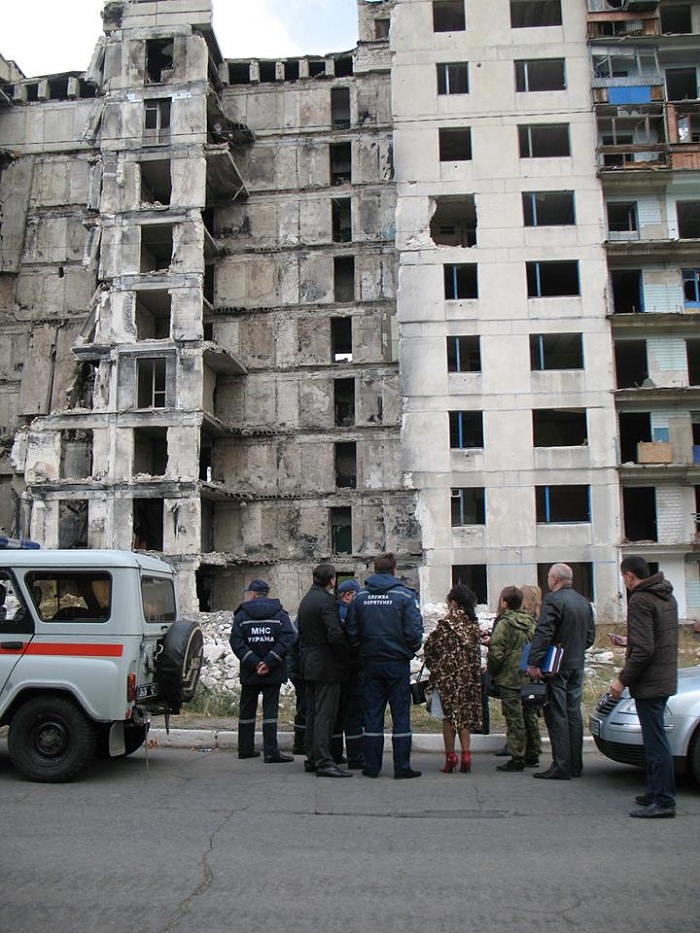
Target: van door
(16, 627)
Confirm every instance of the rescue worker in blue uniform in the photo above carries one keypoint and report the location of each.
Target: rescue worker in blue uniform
(262, 635)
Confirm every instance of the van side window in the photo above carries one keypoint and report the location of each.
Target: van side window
(71, 596)
(14, 615)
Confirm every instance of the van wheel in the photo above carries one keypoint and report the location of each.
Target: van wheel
(50, 739)
(179, 663)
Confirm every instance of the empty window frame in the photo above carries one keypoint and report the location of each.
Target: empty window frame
(692, 349)
(156, 183)
(464, 354)
(556, 351)
(676, 19)
(341, 530)
(548, 208)
(455, 144)
(631, 365)
(454, 221)
(381, 28)
(540, 74)
(691, 288)
(627, 291)
(344, 401)
(346, 465)
(639, 513)
(562, 504)
(159, 60)
(635, 428)
(156, 247)
(239, 73)
(681, 84)
(461, 281)
(152, 314)
(151, 383)
(147, 519)
(340, 163)
(688, 213)
(466, 430)
(340, 107)
(622, 220)
(341, 339)
(453, 77)
(527, 14)
(559, 427)
(76, 454)
(291, 70)
(546, 279)
(150, 451)
(343, 278)
(157, 120)
(544, 140)
(583, 577)
(72, 523)
(468, 506)
(341, 220)
(475, 577)
(449, 16)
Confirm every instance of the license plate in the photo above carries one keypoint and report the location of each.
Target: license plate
(594, 725)
(146, 691)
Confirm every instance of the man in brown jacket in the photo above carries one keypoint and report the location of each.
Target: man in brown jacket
(651, 673)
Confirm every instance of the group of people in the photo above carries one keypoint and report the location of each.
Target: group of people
(349, 658)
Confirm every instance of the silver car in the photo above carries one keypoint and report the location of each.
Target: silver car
(617, 733)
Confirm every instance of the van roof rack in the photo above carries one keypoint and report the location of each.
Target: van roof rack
(16, 544)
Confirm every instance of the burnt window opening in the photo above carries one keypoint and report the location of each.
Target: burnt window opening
(344, 401)
(464, 354)
(340, 108)
(454, 221)
(151, 383)
(531, 14)
(156, 182)
(635, 428)
(206, 458)
(548, 208)
(291, 70)
(73, 523)
(676, 19)
(455, 144)
(150, 451)
(692, 349)
(622, 220)
(208, 331)
(556, 351)
(156, 247)
(631, 365)
(344, 278)
(58, 88)
(208, 286)
(544, 140)
(341, 220)
(553, 278)
(688, 219)
(627, 291)
(639, 513)
(381, 28)
(583, 577)
(346, 465)
(467, 506)
(341, 530)
(461, 281)
(540, 74)
(32, 91)
(340, 163)
(317, 67)
(157, 120)
(76, 454)
(466, 430)
(559, 427)
(562, 504)
(681, 84)
(344, 66)
(452, 78)
(267, 71)
(147, 524)
(82, 391)
(239, 73)
(159, 60)
(449, 16)
(475, 577)
(341, 339)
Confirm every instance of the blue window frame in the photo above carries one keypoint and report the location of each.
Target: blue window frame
(468, 506)
(691, 288)
(466, 430)
(463, 355)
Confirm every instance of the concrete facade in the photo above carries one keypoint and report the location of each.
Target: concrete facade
(436, 295)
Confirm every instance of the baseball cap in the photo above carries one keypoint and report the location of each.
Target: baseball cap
(348, 586)
(258, 586)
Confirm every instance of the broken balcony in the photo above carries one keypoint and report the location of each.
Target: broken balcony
(631, 138)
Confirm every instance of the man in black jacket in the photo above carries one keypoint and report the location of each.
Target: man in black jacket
(325, 665)
(261, 636)
(566, 619)
(651, 673)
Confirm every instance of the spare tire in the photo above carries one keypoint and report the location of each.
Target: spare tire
(179, 663)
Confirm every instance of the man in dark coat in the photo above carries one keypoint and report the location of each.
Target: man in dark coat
(350, 721)
(385, 625)
(651, 674)
(261, 636)
(566, 619)
(325, 666)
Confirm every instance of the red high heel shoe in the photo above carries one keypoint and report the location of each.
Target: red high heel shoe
(466, 765)
(451, 762)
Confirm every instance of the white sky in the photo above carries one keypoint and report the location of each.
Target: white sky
(50, 36)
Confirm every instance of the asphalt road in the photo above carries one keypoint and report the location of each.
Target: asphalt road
(204, 843)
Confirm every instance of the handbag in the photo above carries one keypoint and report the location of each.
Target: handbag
(418, 687)
(534, 694)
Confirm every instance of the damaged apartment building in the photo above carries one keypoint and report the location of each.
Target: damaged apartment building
(437, 294)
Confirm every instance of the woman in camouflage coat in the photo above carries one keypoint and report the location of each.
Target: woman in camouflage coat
(453, 655)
